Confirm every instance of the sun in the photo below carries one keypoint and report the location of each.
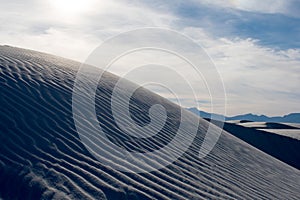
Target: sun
(72, 6)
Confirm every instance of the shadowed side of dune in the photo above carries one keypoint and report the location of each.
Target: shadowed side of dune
(281, 147)
(42, 156)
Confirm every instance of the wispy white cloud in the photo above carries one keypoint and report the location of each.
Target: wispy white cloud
(266, 6)
(257, 78)
(42, 25)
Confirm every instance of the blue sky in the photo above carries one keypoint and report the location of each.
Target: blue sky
(254, 44)
(274, 30)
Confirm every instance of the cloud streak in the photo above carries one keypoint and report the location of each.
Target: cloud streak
(267, 6)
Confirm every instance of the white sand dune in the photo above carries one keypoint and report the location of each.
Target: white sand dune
(292, 133)
(291, 130)
(279, 140)
(42, 157)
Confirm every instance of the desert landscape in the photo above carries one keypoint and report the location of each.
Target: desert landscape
(149, 99)
(42, 156)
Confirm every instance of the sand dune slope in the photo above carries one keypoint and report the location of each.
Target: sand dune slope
(276, 139)
(42, 157)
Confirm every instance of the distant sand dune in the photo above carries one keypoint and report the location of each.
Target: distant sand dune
(42, 157)
(279, 140)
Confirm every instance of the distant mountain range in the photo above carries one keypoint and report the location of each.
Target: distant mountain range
(290, 118)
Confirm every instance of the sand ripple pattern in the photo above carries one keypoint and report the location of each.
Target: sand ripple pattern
(42, 157)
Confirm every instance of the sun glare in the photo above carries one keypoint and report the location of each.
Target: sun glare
(72, 6)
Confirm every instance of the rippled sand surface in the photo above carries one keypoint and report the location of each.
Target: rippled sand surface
(42, 157)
